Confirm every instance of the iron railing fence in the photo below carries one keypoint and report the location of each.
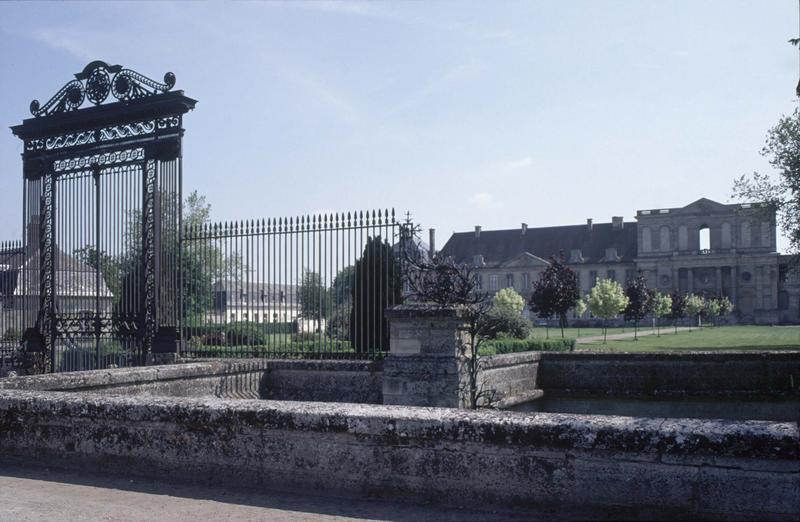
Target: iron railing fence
(302, 287)
(11, 313)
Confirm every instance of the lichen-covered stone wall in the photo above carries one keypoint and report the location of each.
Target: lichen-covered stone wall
(616, 465)
(338, 381)
(725, 375)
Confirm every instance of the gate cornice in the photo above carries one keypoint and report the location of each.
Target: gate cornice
(144, 109)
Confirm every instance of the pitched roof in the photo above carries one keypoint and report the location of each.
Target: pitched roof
(499, 246)
(238, 292)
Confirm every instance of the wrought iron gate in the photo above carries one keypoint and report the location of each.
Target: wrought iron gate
(99, 280)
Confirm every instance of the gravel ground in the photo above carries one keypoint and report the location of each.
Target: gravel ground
(38, 494)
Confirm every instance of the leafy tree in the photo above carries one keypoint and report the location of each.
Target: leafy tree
(377, 286)
(607, 300)
(341, 295)
(504, 323)
(662, 307)
(678, 310)
(504, 318)
(111, 268)
(202, 262)
(695, 304)
(712, 310)
(342, 287)
(508, 300)
(781, 192)
(555, 292)
(725, 306)
(579, 309)
(640, 302)
(313, 297)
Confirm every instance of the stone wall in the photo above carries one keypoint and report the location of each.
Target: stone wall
(327, 381)
(513, 377)
(724, 375)
(611, 466)
(342, 381)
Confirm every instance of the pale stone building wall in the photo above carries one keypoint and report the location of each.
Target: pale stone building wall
(705, 247)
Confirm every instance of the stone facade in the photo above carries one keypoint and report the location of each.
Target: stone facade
(705, 247)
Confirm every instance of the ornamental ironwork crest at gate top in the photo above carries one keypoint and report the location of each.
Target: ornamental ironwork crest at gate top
(102, 213)
(95, 83)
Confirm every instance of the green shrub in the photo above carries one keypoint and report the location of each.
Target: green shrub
(499, 346)
(501, 323)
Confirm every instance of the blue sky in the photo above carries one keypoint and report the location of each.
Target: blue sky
(464, 113)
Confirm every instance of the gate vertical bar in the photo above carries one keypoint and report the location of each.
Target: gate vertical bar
(98, 260)
(149, 304)
(47, 268)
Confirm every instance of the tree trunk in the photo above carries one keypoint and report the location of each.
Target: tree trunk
(636, 330)
(605, 330)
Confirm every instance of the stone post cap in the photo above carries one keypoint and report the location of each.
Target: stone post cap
(419, 310)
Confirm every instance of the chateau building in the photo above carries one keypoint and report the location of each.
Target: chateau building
(704, 248)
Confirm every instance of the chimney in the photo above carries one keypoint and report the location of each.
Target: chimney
(616, 222)
(432, 242)
(477, 231)
(589, 225)
(524, 228)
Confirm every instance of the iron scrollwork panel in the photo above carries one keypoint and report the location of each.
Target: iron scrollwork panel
(47, 283)
(149, 253)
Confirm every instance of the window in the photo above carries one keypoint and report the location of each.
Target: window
(255, 317)
(282, 296)
(526, 280)
(492, 282)
(683, 238)
(783, 272)
(510, 280)
(233, 316)
(665, 242)
(704, 238)
(783, 300)
(479, 282)
(745, 239)
(647, 240)
(244, 316)
(630, 274)
(765, 239)
(726, 236)
(612, 274)
(592, 277)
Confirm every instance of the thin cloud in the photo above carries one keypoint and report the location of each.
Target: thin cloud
(518, 164)
(71, 43)
(482, 200)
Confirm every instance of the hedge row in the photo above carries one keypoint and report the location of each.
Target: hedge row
(499, 346)
(238, 333)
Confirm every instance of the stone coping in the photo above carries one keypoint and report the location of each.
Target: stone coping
(503, 360)
(398, 424)
(423, 310)
(520, 398)
(187, 370)
(716, 356)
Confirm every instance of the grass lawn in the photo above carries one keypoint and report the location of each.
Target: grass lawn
(707, 338)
